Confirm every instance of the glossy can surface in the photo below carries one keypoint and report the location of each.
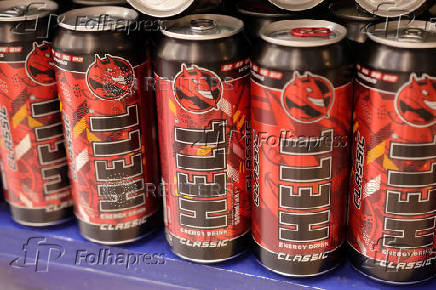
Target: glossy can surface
(202, 78)
(301, 95)
(109, 123)
(33, 150)
(392, 204)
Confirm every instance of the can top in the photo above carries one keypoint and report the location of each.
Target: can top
(351, 13)
(296, 5)
(159, 8)
(404, 34)
(303, 33)
(100, 2)
(390, 8)
(101, 18)
(19, 10)
(260, 10)
(202, 27)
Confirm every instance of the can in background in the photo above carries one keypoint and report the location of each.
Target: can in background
(392, 209)
(395, 8)
(109, 123)
(296, 5)
(301, 102)
(170, 8)
(202, 89)
(32, 147)
(257, 13)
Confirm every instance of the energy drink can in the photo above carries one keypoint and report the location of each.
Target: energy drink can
(396, 8)
(169, 8)
(392, 209)
(202, 77)
(296, 5)
(109, 123)
(301, 100)
(32, 141)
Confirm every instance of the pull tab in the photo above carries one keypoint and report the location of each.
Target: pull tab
(311, 32)
(200, 25)
(412, 34)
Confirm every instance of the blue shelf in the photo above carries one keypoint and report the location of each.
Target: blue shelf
(66, 271)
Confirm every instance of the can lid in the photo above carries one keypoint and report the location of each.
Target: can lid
(303, 33)
(391, 8)
(161, 8)
(101, 18)
(404, 34)
(296, 5)
(100, 2)
(202, 27)
(19, 10)
(349, 12)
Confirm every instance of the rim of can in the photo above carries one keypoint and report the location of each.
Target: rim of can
(296, 5)
(404, 34)
(100, 2)
(163, 8)
(233, 24)
(350, 12)
(263, 15)
(45, 8)
(69, 20)
(328, 33)
(390, 8)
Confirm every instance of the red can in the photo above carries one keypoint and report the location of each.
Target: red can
(202, 76)
(109, 123)
(301, 98)
(392, 215)
(32, 149)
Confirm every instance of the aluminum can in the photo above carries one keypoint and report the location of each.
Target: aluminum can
(32, 142)
(202, 76)
(101, 68)
(296, 5)
(395, 8)
(170, 8)
(301, 118)
(392, 208)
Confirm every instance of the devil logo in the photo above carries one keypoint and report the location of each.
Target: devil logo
(197, 90)
(416, 102)
(110, 78)
(39, 64)
(308, 98)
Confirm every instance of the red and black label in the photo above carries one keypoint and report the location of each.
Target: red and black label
(393, 195)
(111, 144)
(301, 123)
(32, 147)
(204, 142)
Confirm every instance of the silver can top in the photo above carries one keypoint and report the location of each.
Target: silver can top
(296, 5)
(101, 18)
(202, 27)
(161, 8)
(100, 2)
(404, 34)
(350, 12)
(19, 10)
(391, 8)
(303, 33)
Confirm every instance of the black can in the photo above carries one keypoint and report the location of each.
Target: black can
(33, 149)
(201, 68)
(109, 121)
(392, 208)
(301, 98)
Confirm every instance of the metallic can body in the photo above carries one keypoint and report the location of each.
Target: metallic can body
(301, 119)
(34, 162)
(110, 129)
(202, 90)
(392, 208)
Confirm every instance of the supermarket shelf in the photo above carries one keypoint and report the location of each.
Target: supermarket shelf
(66, 270)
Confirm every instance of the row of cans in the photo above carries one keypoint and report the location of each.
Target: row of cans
(259, 138)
